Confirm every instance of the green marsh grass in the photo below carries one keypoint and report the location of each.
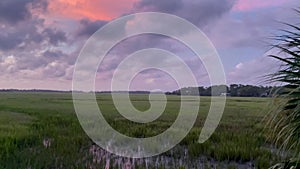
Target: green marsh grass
(28, 118)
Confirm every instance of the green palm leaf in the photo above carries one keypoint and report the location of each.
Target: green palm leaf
(285, 119)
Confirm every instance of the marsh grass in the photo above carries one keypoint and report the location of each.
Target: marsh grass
(237, 143)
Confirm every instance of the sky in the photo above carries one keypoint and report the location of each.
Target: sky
(40, 40)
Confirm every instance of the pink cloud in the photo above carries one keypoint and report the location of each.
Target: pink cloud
(247, 5)
(94, 10)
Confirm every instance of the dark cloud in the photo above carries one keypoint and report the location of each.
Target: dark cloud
(167, 6)
(55, 36)
(89, 27)
(20, 35)
(140, 42)
(34, 60)
(20, 29)
(27, 34)
(27, 62)
(131, 45)
(55, 54)
(203, 11)
(198, 12)
(26, 40)
(13, 11)
(47, 49)
(9, 41)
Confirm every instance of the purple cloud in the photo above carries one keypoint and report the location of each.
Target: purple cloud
(37, 44)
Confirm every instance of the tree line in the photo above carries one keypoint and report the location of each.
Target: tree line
(238, 90)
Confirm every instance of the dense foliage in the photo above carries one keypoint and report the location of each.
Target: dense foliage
(285, 121)
(239, 90)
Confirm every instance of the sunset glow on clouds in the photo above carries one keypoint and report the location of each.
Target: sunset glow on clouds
(40, 40)
(91, 9)
(247, 5)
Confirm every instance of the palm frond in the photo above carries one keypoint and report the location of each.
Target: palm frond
(285, 119)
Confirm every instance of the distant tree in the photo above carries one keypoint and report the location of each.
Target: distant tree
(201, 90)
(234, 89)
(219, 89)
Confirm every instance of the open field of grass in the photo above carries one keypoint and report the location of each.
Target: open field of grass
(41, 130)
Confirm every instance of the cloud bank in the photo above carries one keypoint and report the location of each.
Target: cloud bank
(41, 39)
